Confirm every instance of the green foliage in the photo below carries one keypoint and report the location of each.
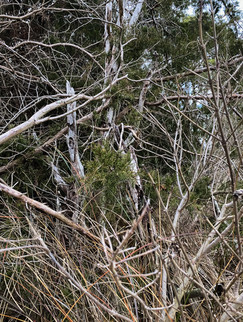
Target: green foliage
(201, 191)
(133, 117)
(163, 183)
(19, 145)
(108, 172)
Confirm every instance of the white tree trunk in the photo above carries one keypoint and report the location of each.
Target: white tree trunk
(76, 164)
(72, 139)
(136, 13)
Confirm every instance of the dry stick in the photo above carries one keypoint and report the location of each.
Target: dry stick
(235, 306)
(233, 74)
(213, 243)
(218, 116)
(113, 263)
(16, 308)
(21, 75)
(140, 275)
(60, 216)
(173, 225)
(199, 70)
(207, 246)
(37, 118)
(139, 255)
(64, 44)
(191, 264)
(174, 289)
(164, 267)
(192, 269)
(209, 243)
(59, 134)
(224, 143)
(131, 231)
(12, 192)
(76, 283)
(134, 295)
(232, 282)
(192, 97)
(204, 290)
(223, 240)
(190, 120)
(24, 16)
(3, 250)
(147, 286)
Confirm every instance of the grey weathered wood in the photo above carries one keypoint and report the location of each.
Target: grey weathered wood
(72, 139)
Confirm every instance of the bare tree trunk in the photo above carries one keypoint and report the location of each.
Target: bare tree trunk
(75, 162)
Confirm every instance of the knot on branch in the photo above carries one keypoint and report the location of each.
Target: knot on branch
(238, 194)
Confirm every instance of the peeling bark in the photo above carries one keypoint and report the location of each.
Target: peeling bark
(76, 164)
(72, 139)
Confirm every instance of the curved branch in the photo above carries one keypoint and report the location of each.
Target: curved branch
(29, 42)
(37, 118)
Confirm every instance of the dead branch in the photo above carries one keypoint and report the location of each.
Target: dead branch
(37, 118)
(36, 204)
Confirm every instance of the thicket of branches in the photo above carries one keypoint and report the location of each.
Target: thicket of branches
(121, 160)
